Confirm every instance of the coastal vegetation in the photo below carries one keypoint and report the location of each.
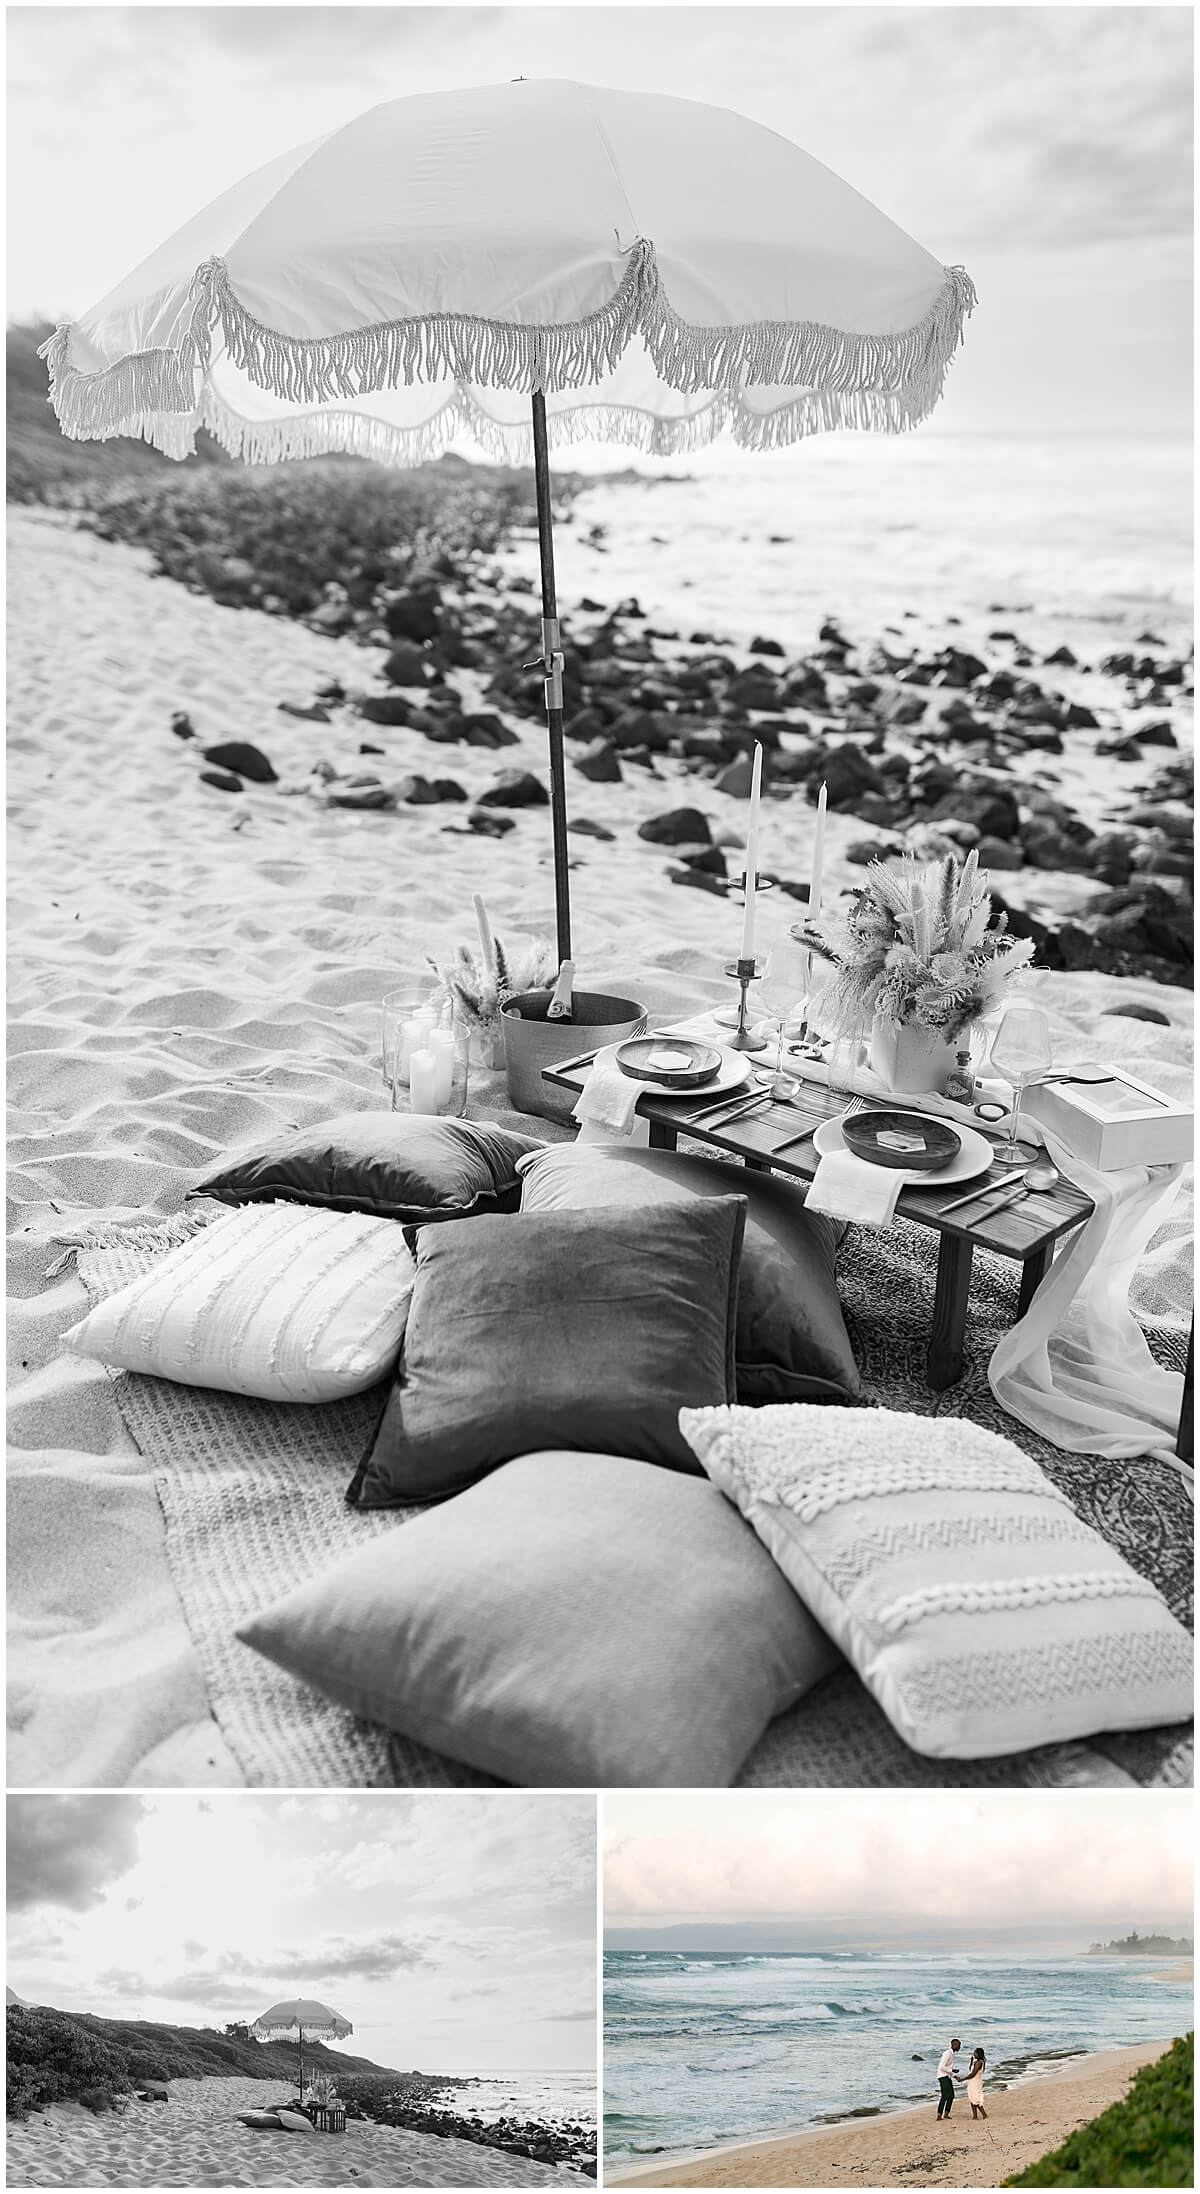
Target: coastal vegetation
(1146, 2140)
(1134, 1945)
(59, 2056)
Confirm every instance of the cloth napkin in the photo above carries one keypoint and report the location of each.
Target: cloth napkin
(850, 1188)
(608, 1099)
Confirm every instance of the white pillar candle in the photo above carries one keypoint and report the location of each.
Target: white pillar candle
(441, 1044)
(422, 1082)
(817, 873)
(747, 951)
(413, 1036)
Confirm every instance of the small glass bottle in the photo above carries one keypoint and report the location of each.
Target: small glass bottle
(959, 1085)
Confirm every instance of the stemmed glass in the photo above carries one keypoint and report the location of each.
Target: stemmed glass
(782, 989)
(1021, 1052)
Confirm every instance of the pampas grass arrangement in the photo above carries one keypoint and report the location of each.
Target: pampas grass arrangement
(918, 946)
(480, 981)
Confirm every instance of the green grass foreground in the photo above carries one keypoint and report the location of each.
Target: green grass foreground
(56, 2056)
(1144, 2141)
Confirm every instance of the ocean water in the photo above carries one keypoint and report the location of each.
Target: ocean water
(1080, 539)
(563, 2096)
(702, 2048)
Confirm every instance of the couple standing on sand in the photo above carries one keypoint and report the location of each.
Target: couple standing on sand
(972, 2078)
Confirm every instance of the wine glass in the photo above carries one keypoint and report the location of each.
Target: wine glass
(1021, 1052)
(782, 990)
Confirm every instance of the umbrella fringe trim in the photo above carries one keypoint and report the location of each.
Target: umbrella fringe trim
(875, 383)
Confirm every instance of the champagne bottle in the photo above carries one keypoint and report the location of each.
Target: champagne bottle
(559, 1008)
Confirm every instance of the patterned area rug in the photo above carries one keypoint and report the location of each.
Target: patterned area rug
(252, 1496)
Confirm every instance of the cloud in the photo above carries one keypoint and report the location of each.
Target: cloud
(340, 1957)
(568, 2018)
(67, 1850)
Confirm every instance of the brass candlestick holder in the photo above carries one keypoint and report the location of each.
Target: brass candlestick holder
(744, 972)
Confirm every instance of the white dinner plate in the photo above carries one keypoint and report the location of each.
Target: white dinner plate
(732, 1072)
(975, 1156)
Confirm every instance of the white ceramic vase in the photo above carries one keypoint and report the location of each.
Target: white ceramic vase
(910, 1059)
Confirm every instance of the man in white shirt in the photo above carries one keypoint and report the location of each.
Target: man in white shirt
(948, 2073)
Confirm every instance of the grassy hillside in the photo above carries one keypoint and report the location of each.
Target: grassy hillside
(1144, 2141)
(56, 2055)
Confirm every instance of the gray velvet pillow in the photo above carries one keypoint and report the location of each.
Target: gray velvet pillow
(575, 1329)
(395, 1165)
(574, 1620)
(792, 1344)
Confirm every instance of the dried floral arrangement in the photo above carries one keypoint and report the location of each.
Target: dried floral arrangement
(918, 945)
(479, 982)
(322, 2087)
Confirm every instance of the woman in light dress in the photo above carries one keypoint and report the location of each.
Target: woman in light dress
(975, 2071)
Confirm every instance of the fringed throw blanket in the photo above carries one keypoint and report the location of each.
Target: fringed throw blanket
(252, 1497)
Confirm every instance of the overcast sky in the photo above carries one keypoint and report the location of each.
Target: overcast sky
(1046, 149)
(457, 1933)
(883, 1865)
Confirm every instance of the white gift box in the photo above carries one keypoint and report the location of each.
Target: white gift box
(1113, 1124)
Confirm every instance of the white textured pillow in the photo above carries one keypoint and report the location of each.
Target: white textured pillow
(284, 1301)
(982, 1612)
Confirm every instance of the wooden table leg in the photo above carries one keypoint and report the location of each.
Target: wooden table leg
(944, 1357)
(663, 1136)
(1033, 1272)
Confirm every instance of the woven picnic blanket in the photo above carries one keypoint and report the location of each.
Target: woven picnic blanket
(251, 1493)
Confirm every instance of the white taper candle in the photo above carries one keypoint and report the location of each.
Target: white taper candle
(747, 951)
(817, 873)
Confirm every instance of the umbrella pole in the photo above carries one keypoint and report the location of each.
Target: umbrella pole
(552, 665)
(302, 2064)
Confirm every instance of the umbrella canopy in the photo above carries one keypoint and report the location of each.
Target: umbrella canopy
(303, 2015)
(660, 269)
(538, 262)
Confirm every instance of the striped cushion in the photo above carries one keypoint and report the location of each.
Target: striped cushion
(284, 1301)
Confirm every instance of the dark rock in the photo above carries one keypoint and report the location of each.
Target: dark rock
(1078, 718)
(642, 728)
(1160, 860)
(1046, 846)
(1145, 918)
(699, 879)
(679, 827)
(998, 853)
(483, 729)
(1125, 750)
(736, 778)
(428, 791)
(1062, 655)
(586, 723)
(991, 808)
(385, 708)
(182, 725)
(1039, 710)
(706, 746)
(1112, 856)
(874, 808)
(829, 633)
(486, 825)
(864, 694)
(414, 616)
(1158, 734)
(862, 851)
(1163, 818)
(223, 779)
(904, 708)
(586, 603)
(756, 688)
(406, 666)
(588, 829)
(797, 766)
(360, 796)
(711, 861)
(599, 762)
(848, 774)
(951, 667)
(1034, 740)
(249, 761)
(365, 747)
(805, 688)
(1136, 1012)
(309, 712)
(515, 788)
(766, 647)
(959, 724)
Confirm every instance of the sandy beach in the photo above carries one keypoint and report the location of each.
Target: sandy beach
(195, 2140)
(910, 2147)
(192, 967)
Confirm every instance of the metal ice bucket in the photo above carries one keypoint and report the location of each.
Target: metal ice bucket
(531, 1042)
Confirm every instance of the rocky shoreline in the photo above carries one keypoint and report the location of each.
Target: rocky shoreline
(1072, 780)
(418, 2110)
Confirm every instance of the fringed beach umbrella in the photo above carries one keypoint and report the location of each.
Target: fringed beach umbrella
(537, 262)
(303, 2015)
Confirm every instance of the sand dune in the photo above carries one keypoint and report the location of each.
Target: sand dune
(191, 967)
(196, 2140)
